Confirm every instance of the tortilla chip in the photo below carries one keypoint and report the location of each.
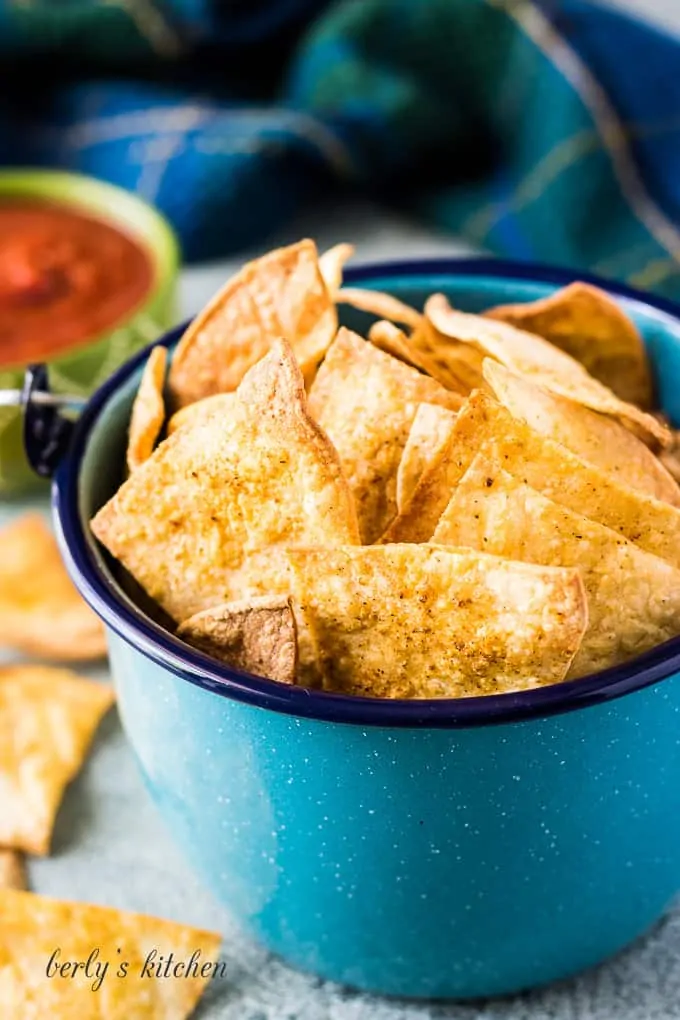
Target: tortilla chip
(148, 410)
(41, 613)
(263, 476)
(223, 403)
(542, 363)
(389, 338)
(420, 621)
(34, 927)
(47, 720)
(12, 870)
(586, 323)
(598, 440)
(457, 366)
(430, 431)
(257, 635)
(366, 400)
(671, 458)
(281, 294)
(633, 597)
(483, 425)
(375, 302)
(331, 265)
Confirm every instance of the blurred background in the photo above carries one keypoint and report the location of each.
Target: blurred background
(546, 130)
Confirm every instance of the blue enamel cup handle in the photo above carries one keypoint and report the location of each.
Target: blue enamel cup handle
(48, 419)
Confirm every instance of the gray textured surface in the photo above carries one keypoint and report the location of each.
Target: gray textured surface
(110, 846)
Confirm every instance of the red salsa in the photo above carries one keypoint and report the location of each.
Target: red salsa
(65, 277)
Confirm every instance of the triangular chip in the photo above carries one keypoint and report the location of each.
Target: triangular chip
(633, 597)
(137, 966)
(263, 476)
(430, 430)
(332, 264)
(41, 613)
(375, 302)
(595, 438)
(589, 325)
(366, 400)
(223, 403)
(484, 425)
(456, 366)
(47, 720)
(419, 621)
(257, 635)
(12, 870)
(540, 361)
(281, 294)
(392, 340)
(148, 410)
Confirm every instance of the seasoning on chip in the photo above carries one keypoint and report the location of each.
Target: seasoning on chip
(257, 635)
(633, 597)
(148, 410)
(429, 433)
(282, 294)
(365, 400)
(12, 870)
(267, 475)
(542, 363)
(587, 324)
(143, 967)
(48, 718)
(595, 438)
(223, 403)
(420, 621)
(483, 425)
(41, 613)
(332, 264)
(382, 305)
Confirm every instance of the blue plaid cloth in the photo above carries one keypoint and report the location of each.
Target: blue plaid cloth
(539, 129)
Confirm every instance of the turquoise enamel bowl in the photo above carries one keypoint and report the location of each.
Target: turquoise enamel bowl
(433, 849)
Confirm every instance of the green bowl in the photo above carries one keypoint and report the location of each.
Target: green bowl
(83, 368)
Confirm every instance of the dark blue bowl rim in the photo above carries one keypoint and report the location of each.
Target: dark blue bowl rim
(158, 645)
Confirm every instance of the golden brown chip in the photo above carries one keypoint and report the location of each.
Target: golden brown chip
(12, 870)
(47, 720)
(41, 613)
(598, 440)
(266, 475)
(420, 621)
(430, 431)
(281, 294)
(366, 400)
(139, 967)
(483, 425)
(392, 340)
(332, 263)
(148, 410)
(257, 635)
(389, 338)
(223, 403)
(633, 597)
(589, 325)
(542, 363)
(375, 302)
(671, 458)
(457, 366)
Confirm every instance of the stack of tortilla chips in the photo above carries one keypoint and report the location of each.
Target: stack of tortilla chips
(470, 505)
